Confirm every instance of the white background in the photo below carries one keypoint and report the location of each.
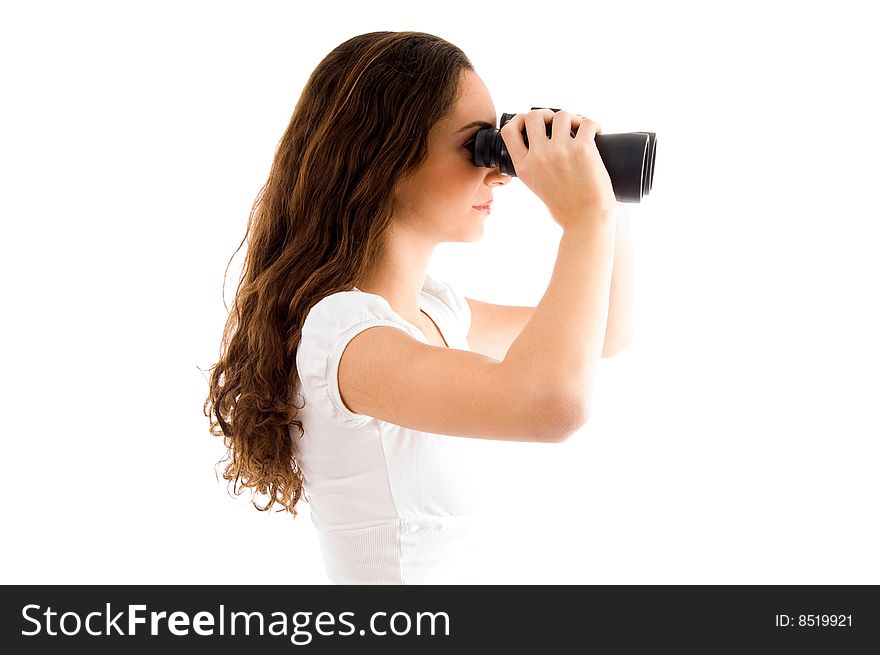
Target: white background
(736, 441)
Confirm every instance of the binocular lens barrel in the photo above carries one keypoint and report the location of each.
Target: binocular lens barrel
(628, 157)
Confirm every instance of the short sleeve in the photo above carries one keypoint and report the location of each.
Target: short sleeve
(330, 324)
(454, 301)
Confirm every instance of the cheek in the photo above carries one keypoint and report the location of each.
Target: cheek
(468, 179)
(453, 183)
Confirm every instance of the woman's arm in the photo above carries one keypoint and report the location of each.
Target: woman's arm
(619, 331)
(495, 327)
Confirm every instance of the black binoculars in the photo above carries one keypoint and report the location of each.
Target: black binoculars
(628, 157)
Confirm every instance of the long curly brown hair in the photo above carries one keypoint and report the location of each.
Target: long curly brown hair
(317, 225)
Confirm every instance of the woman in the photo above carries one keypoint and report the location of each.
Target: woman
(348, 376)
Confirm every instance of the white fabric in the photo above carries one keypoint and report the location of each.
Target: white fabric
(391, 505)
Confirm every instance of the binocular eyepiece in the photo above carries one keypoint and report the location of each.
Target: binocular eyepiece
(628, 157)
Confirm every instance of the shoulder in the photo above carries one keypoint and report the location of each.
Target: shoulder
(329, 326)
(346, 308)
(335, 319)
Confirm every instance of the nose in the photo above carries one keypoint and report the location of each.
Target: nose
(496, 178)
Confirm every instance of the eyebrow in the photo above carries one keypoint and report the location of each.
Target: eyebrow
(476, 124)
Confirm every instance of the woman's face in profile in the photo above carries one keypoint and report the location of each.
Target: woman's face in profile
(438, 199)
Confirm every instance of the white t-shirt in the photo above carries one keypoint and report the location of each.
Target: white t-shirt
(391, 505)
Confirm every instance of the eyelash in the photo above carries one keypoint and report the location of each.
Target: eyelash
(469, 143)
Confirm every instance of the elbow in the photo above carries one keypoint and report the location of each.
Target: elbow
(569, 426)
(565, 414)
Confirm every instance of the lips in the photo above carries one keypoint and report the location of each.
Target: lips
(484, 206)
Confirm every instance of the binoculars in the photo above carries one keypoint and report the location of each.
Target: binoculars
(628, 157)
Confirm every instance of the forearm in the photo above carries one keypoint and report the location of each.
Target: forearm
(559, 347)
(619, 327)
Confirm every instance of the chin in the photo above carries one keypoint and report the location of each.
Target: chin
(474, 234)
